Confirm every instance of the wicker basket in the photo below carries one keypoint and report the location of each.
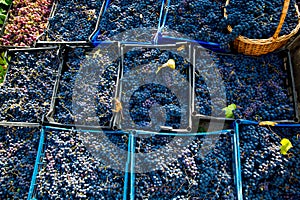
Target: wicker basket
(263, 46)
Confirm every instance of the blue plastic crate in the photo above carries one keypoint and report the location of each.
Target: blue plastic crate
(18, 150)
(139, 34)
(81, 164)
(184, 166)
(167, 35)
(265, 173)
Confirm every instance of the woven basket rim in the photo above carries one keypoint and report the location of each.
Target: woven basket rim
(269, 40)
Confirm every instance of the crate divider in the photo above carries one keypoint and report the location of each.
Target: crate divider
(116, 123)
(37, 165)
(289, 83)
(95, 33)
(20, 124)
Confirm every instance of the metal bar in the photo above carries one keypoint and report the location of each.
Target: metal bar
(237, 160)
(132, 166)
(36, 164)
(139, 132)
(127, 168)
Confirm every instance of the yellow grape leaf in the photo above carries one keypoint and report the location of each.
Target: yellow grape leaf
(267, 123)
(286, 145)
(170, 64)
(229, 110)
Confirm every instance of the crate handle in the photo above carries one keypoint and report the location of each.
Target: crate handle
(282, 18)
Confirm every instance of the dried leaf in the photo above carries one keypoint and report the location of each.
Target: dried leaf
(267, 123)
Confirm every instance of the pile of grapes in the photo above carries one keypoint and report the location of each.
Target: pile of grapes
(201, 168)
(27, 20)
(259, 19)
(124, 15)
(151, 96)
(77, 62)
(73, 20)
(18, 149)
(71, 172)
(266, 173)
(199, 20)
(256, 85)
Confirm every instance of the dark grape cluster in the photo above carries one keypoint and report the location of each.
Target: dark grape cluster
(200, 169)
(124, 15)
(28, 87)
(73, 20)
(259, 19)
(73, 79)
(18, 149)
(150, 98)
(266, 173)
(255, 84)
(70, 171)
(199, 20)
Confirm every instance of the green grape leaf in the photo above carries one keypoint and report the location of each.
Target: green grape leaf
(8, 1)
(285, 146)
(2, 16)
(229, 110)
(4, 2)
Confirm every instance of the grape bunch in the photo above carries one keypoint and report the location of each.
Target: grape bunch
(256, 85)
(73, 20)
(125, 15)
(27, 20)
(18, 149)
(70, 171)
(266, 173)
(74, 78)
(152, 98)
(201, 168)
(258, 19)
(199, 20)
(28, 87)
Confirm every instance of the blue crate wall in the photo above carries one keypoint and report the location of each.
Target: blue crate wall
(138, 75)
(142, 29)
(183, 166)
(253, 84)
(72, 167)
(265, 173)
